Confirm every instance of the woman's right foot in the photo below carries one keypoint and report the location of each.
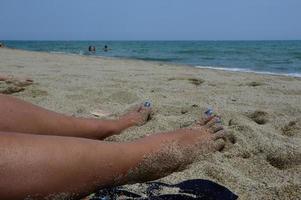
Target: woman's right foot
(174, 151)
(207, 135)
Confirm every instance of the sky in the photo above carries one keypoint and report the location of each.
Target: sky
(150, 19)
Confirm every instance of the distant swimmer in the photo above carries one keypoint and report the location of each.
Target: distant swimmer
(92, 49)
(1, 45)
(105, 48)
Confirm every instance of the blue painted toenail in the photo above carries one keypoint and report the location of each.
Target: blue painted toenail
(147, 104)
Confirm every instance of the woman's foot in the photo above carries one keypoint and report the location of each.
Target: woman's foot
(210, 133)
(137, 116)
(174, 151)
(205, 136)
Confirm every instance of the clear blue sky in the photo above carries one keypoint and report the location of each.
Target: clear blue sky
(150, 19)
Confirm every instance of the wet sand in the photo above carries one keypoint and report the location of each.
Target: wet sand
(261, 112)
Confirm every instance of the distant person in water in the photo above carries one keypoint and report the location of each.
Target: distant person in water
(47, 155)
(1, 45)
(92, 49)
(106, 48)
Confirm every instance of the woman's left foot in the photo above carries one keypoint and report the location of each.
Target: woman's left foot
(137, 116)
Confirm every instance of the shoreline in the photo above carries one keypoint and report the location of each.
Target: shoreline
(294, 75)
(240, 70)
(261, 112)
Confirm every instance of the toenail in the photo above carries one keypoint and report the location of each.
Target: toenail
(218, 120)
(147, 104)
(209, 112)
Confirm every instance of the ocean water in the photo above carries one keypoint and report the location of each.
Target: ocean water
(275, 57)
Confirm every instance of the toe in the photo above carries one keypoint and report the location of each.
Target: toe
(216, 127)
(204, 120)
(144, 112)
(219, 145)
(219, 135)
(213, 121)
(147, 112)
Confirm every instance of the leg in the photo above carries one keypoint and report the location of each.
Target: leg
(3, 78)
(19, 116)
(67, 167)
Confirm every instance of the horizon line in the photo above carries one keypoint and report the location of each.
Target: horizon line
(151, 40)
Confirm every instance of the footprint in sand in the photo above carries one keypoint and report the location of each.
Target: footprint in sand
(231, 137)
(194, 81)
(12, 85)
(11, 90)
(255, 84)
(284, 159)
(259, 116)
(172, 110)
(123, 97)
(19, 83)
(292, 128)
(287, 191)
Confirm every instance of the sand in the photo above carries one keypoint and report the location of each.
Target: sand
(261, 112)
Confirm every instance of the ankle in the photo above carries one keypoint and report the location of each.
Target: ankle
(114, 127)
(104, 128)
(125, 122)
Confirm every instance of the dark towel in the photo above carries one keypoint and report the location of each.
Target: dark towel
(191, 189)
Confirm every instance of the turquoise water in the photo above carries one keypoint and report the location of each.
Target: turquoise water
(279, 57)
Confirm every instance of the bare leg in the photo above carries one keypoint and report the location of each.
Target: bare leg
(68, 167)
(19, 116)
(3, 78)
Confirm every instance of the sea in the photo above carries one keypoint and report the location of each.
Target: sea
(270, 57)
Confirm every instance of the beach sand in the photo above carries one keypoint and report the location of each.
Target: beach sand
(261, 112)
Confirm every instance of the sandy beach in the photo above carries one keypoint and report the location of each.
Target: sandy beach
(262, 113)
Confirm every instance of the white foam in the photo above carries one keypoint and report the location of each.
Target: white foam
(66, 53)
(58, 52)
(249, 71)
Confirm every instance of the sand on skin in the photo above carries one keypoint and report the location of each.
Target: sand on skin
(262, 112)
